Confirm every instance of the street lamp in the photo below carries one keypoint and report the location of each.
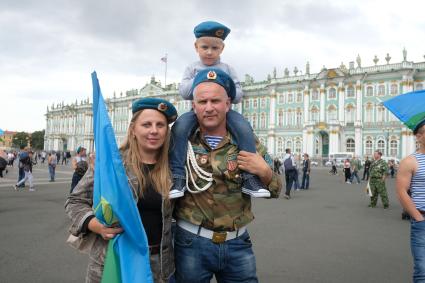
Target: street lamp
(387, 132)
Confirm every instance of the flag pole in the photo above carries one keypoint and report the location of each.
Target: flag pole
(165, 77)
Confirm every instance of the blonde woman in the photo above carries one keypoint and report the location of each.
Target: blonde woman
(145, 157)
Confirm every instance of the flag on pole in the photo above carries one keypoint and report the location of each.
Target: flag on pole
(164, 59)
(127, 258)
(409, 108)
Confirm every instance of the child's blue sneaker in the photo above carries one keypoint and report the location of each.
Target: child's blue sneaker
(254, 187)
(178, 188)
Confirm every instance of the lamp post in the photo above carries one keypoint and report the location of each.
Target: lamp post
(387, 132)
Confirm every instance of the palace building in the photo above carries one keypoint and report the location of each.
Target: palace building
(335, 110)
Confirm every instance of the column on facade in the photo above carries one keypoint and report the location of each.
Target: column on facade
(322, 103)
(408, 142)
(308, 140)
(359, 102)
(272, 122)
(341, 103)
(358, 141)
(306, 105)
(334, 139)
(407, 84)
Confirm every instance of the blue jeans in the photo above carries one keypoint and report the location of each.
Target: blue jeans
(355, 173)
(417, 245)
(52, 172)
(289, 180)
(187, 123)
(198, 259)
(306, 181)
(21, 175)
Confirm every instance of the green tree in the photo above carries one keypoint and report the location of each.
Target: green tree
(37, 140)
(20, 139)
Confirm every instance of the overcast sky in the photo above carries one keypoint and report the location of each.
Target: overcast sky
(49, 48)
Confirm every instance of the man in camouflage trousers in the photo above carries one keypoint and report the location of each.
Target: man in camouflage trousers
(378, 173)
(211, 236)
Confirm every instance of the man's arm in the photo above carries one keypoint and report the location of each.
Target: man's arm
(408, 166)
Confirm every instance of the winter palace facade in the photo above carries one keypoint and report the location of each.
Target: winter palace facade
(335, 110)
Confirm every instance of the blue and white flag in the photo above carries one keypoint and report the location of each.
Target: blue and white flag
(127, 259)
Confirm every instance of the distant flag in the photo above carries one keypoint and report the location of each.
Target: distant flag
(127, 258)
(409, 108)
(164, 59)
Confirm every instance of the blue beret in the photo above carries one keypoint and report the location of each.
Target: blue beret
(216, 76)
(80, 148)
(159, 104)
(212, 29)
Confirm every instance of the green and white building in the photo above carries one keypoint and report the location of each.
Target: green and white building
(334, 110)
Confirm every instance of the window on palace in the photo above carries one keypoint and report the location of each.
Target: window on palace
(394, 89)
(369, 113)
(394, 148)
(369, 91)
(279, 145)
(381, 90)
(332, 93)
(280, 99)
(299, 97)
(290, 98)
(391, 117)
(350, 92)
(368, 147)
(381, 146)
(332, 113)
(255, 103)
(350, 145)
(263, 141)
(419, 87)
(280, 118)
(254, 120)
(380, 114)
(246, 104)
(263, 120)
(298, 146)
(316, 146)
(315, 95)
(299, 118)
(350, 112)
(315, 114)
(289, 145)
(263, 102)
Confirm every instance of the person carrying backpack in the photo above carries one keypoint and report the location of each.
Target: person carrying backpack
(52, 161)
(25, 159)
(290, 171)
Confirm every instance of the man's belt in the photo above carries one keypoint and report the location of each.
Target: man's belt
(216, 237)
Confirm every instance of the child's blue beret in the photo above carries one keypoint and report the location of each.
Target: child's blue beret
(159, 104)
(216, 76)
(212, 29)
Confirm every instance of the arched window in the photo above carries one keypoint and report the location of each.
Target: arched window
(289, 145)
(394, 89)
(315, 114)
(369, 147)
(246, 103)
(290, 98)
(349, 113)
(315, 95)
(280, 118)
(332, 93)
(369, 91)
(381, 146)
(331, 113)
(298, 146)
(263, 121)
(254, 120)
(381, 90)
(262, 140)
(419, 87)
(279, 145)
(255, 103)
(263, 102)
(299, 97)
(380, 114)
(350, 92)
(281, 99)
(393, 148)
(369, 113)
(350, 145)
(299, 118)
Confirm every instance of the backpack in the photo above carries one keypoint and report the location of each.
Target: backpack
(288, 165)
(54, 160)
(24, 158)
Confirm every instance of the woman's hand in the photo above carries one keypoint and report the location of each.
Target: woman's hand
(107, 233)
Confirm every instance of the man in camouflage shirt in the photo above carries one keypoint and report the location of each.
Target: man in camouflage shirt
(378, 173)
(211, 236)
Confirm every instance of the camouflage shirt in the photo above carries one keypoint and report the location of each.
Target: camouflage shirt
(222, 207)
(378, 169)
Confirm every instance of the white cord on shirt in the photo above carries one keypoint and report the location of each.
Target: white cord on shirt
(202, 174)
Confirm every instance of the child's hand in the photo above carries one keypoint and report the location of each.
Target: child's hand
(255, 164)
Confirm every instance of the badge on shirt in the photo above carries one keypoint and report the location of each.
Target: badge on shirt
(203, 159)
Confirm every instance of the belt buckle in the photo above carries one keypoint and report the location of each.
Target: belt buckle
(219, 237)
